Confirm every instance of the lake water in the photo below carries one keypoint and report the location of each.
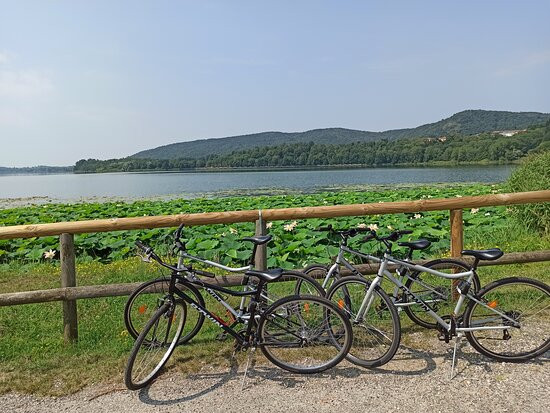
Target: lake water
(138, 185)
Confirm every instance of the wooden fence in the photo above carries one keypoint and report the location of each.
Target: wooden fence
(69, 292)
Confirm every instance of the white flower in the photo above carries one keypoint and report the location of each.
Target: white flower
(49, 254)
(487, 214)
(429, 196)
(291, 226)
(362, 225)
(373, 227)
(390, 227)
(458, 196)
(233, 230)
(474, 210)
(269, 225)
(417, 216)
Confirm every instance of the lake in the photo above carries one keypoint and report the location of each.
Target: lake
(69, 187)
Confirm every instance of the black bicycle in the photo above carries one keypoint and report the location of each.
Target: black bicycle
(299, 333)
(143, 302)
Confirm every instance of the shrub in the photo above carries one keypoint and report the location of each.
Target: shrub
(532, 175)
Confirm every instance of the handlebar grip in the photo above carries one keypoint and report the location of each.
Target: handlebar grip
(142, 246)
(369, 237)
(327, 228)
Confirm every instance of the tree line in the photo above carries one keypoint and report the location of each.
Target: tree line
(486, 147)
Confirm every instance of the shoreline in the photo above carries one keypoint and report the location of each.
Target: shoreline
(22, 202)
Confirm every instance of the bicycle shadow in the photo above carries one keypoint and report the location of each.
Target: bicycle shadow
(420, 363)
(220, 379)
(467, 358)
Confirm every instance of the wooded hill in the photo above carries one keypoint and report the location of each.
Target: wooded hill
(489, 147)
(468, 122)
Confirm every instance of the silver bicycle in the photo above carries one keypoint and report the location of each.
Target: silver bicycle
(508, 320)
(434, 290)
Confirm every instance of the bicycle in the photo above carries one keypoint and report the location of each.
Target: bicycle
(432, 289)
(143, 302)
(507, 320)
(299, 333)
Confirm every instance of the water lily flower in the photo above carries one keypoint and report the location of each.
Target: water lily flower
(373, 227)
(49, 254)
(390, 227)
(233, 230)
(474, 210)
(269, 225)
(291, 226)
(417, 216)
(362, 225)
(458, 196)
(487, 214)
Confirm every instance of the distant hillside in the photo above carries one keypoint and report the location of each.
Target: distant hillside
(485, 148)
(468, 122)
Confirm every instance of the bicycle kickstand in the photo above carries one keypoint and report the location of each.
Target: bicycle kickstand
(250, 354)
(457, 342)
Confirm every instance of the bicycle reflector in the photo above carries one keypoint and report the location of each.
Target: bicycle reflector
(340, 304)
(492, 304)
(306, 307)
(142, 309)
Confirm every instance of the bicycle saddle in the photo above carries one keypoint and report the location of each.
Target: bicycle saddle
(420, 244)
(489, 255)
(258, 239)
(268, 275)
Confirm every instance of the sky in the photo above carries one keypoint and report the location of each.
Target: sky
(106, 79)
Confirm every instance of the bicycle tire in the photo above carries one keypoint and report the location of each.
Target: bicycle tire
(445, 304)
(153, 342)
(142, 304)
(534, 320)
(319, 272)
(377, 335)
(304, 334)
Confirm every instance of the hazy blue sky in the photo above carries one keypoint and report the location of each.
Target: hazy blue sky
(106, 79)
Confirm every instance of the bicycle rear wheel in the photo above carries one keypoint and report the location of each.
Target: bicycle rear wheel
(304, 334)
(516, 314)
(147, 299)
(376, 335)
(155, 344)
(436, 291)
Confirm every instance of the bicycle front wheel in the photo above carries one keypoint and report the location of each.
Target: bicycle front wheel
(304, 334)
(147, 299)
(512, 319)
(155, 344)
(376, 333)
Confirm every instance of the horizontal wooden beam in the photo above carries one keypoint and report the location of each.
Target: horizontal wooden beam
(163, 221)
(114, 290)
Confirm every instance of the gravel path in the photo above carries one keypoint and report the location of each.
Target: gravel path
(414, 380)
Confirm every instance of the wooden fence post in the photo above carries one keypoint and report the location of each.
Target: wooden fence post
(261, 252)
(68, 279)
(457, 241)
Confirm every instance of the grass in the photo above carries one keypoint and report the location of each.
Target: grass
(34, 359)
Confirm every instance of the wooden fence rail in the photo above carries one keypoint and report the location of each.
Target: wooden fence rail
(69, 292)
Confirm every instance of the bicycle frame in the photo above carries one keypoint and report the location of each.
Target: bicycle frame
(211, 289)
(468, 275)
(341, 260)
